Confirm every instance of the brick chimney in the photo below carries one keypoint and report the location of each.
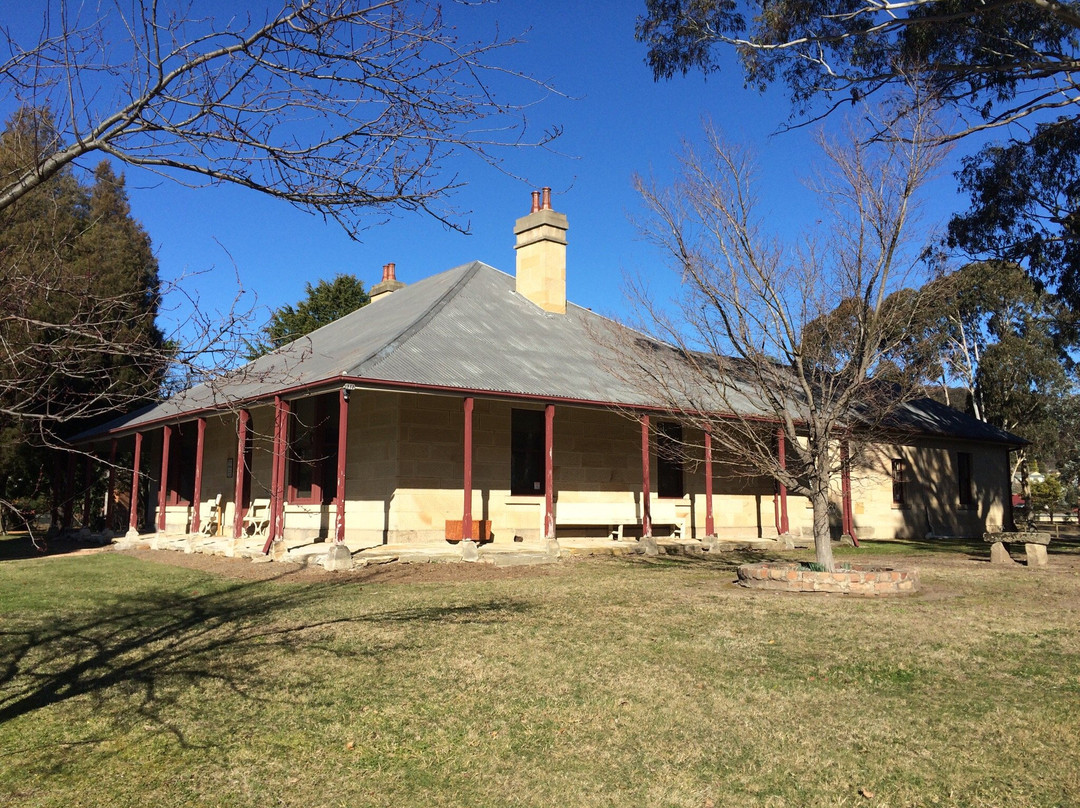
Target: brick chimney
(387, 285)
(541, 254)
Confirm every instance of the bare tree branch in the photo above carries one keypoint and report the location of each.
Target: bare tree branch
(336, 106)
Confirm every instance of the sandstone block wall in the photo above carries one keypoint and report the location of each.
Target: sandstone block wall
(932, 497)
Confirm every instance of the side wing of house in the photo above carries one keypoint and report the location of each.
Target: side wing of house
(934, 487)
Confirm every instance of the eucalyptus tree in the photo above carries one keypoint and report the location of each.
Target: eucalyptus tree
(994, 65)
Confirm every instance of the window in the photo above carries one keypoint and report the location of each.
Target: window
(899, 482)
(527, 452)
(669, 460)
(313, 450)
(963, 479)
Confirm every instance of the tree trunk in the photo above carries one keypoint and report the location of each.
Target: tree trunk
(822, 531)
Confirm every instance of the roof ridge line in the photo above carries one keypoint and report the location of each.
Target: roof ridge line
(409, 331)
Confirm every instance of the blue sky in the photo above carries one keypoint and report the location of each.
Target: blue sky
(616, 122)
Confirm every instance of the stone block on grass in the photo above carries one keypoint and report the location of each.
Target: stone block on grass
(1018, 537)
(999, 554)
(338, 558)
(1036, 555)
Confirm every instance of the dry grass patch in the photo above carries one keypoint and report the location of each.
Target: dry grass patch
(604, 682)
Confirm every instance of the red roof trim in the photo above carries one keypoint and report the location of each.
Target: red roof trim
(327, 385)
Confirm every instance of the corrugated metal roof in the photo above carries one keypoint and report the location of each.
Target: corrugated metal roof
(486, 336)
(928, 416)
(467, 328)
(323, 355)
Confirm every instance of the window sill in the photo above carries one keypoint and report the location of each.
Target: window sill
(307, 502)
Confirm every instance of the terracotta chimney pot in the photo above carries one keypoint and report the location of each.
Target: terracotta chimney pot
(388, 285)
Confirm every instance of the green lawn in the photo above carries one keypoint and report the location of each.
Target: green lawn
(618, 682)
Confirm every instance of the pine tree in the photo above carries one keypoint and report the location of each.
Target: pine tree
(118, 267)
(325, 302)
(78, 340)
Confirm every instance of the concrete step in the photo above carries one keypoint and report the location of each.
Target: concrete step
(734, 545)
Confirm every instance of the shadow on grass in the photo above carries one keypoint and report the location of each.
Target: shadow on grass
(19, 546)
(973, 549)
(157, 644)
(970, 549)
(727, 561)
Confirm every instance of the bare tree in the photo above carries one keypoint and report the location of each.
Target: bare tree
(336, 106)
(766, 336)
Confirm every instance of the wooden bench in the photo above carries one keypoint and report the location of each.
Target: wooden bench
(614, 516)
(210, 523)
(481, 530)
(257, 518)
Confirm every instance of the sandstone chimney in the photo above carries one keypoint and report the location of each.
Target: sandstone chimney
(541, 254)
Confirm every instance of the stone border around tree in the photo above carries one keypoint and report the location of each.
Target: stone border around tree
(853, 580)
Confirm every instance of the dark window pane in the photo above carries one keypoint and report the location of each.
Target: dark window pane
(669, 460)
(182, 447)
(527, 452)
(899, 484)
(313, 449)
(963, 474)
